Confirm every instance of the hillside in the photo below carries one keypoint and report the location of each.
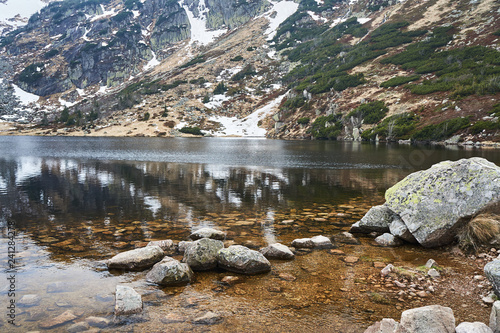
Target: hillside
(357, 70)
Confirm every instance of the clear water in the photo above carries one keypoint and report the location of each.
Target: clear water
(75, 201)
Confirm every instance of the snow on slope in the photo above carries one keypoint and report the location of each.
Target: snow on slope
(199, 32)
(25, 8)
(24, 96)
(283, 9)
(247, 126)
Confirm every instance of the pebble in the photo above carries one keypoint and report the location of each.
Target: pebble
(433, 273)
(231, 280)
(337, 252)
(351, 259)
(399, 284)
(422, 294)
(287, 277)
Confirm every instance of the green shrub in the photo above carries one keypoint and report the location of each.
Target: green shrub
(197, 60)
(220, 89)
(442, 130)
(395, 127)
(303, 120)
(32, 73)
(399, 80)
(248, 70)
(487, 125)
(146, 116)
(51, 53)
(327, 127)
(191, 130)
(371, 112)
(237, 58)
(294, 103)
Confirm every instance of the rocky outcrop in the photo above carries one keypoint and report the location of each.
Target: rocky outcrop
(434, 203)
(277, 251)
(127, 301)
(492, 272)
(170, 272)
(240, 259)
(430, 206)
(208, 233)
(202, 255)
(138, 259)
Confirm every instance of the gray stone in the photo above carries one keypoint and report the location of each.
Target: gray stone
(386, 325)
(202, 254)
(277, 251)
(208, 233)
(170, 272)
(377, 219)
(495, 317)
(475, 327)
(166, 245)
(386, 270)
(100, 322)
(398, 228)
(303, 243)
(492, 272)
(322, 242)
(127, 301)
(346, 238)
(240, 259)
(436, 202)
(388, 240)
(428, 319)
(29, 300)
(431, 263)
(209, 318)
(138, 259)
(433, 273)
(62, 319)
(183, 245)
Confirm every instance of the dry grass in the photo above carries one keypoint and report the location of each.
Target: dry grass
(480, 230)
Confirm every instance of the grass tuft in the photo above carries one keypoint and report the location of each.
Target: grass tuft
(480, 230)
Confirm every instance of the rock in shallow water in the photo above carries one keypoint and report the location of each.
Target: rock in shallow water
(277, 251)
(240, 259)
(63, 318)
(170, 272)
(208, 233)
(202, 254)
(377, 219)
(434, 203)
(128, 301)
(138, 259)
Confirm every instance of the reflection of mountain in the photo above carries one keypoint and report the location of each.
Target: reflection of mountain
(146, 190)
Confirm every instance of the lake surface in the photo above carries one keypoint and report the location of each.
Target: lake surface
(75, 201)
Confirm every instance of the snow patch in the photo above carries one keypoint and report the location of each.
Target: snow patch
(216, 101)
(105, 14)
(66, 103)
(24, 96)
(199, 32)
(152, 63)
(283, 9)
(363, 20)
(316, 17)
(25, 8)
(248, 126)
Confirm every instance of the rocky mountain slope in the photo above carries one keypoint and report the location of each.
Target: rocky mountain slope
(366, 69)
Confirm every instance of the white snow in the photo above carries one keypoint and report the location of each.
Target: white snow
(337, 21)
(216, 101)
(105, 14)
(283, 9)
(316, 17)
(320, 2)
(152, 63)
(363, 20)
(24, 96)
(25, 8)
(247, 126)
(66, 103)
(84, 37)
(199, 32)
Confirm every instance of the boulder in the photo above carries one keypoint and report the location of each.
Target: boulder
(127, 301)
(495, 317)
(475, 327)
(386, 325)
(138, 259)
(166, 245)
(240, 259)
(303, 243)
(208, 233)
(322, 242)
(209, 318)
(492, 272)
(277, 251)
(202, 254)
(436, 202)
(388, 240)
(183, 245)
(428, 319)
(346, 238)
(170, 272)
(377, 219)
(398, 228)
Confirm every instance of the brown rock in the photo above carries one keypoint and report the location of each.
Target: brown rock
(351, 259)
(63, 318)
(287, 277)
(230, 280)
(378, 264)
(337, 252)
(173, 318)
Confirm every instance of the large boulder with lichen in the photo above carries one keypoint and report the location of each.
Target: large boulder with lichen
(436, 202)
(240, 259)
(170, 272)
(202, 254)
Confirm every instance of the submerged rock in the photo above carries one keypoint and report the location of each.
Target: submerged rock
(208, 233)
(277, 251)
(29, 300)
(346, 238)
(240, 259)
(63, 318)
(138, 259)
(170, 272)
(127, 301)
(202, 254)
(377, 219)
(428, 319)
(209, 318)
(436, 202)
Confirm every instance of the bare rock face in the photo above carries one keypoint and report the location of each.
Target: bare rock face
(240, 259)
(170, 272)
(428, 319)
(208, 233)
(277, 251)
(202, 255)
(436, 202)
(127, 301)
(138, 259)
